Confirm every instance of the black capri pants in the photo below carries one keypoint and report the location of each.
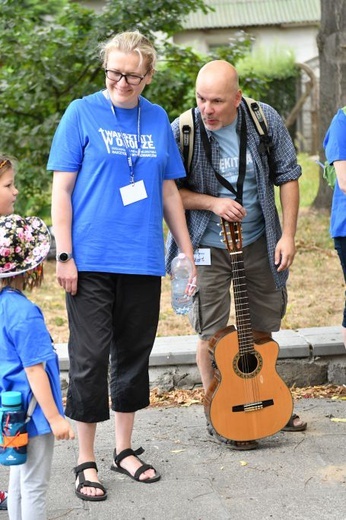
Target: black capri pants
(340, 246)
(112, 318)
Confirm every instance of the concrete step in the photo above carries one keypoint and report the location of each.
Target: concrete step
(311, 356)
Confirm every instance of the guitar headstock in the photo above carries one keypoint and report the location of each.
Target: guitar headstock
(232, 236)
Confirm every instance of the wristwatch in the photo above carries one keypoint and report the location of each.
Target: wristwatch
(63, 257)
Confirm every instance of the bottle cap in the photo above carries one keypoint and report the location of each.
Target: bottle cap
(11, 398)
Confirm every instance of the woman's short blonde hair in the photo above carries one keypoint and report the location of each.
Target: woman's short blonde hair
(127, 42)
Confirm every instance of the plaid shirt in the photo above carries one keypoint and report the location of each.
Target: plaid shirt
(202, 179)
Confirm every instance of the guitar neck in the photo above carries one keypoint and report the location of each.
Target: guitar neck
(241, 303)
(232, 234)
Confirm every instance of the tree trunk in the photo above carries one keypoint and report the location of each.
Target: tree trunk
(331, 42)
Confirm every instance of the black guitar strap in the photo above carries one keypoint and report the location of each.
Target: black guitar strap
(238, 192)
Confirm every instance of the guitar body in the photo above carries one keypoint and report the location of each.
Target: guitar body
(247, 399)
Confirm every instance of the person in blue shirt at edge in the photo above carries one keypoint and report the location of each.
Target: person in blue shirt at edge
(29, 363)
(335, 150)
(268, 250)
(8, 195)
(115, 162)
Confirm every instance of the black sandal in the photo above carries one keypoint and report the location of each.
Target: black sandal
(79, 472)
(126, 453)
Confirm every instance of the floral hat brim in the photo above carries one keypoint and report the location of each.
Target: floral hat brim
(24, 244)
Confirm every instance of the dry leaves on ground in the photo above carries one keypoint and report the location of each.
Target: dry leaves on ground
(180, 397)
(188, 397)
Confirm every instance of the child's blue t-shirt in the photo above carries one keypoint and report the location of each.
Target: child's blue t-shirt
(24, 342)
(335, 149)
(95, 140)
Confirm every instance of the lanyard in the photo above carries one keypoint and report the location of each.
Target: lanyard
(131, 163)
(238, 192)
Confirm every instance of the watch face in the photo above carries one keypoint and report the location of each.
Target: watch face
(63, 257)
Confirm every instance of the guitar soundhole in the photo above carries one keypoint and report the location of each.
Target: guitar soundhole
(247, 365)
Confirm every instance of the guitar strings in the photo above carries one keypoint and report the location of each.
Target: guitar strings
(244, 329)
(232, 236)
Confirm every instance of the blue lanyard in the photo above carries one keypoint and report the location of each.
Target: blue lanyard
(131, 163)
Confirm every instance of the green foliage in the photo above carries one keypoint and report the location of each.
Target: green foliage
(36, 10)
(270, 76)
(174, 80)
(50, 56)
(277, 60)
(308, 182)
(238, 48)
(47, 61)
(174, 83)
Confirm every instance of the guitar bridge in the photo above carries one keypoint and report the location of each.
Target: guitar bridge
(252, 407)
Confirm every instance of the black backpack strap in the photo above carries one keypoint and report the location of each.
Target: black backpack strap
(238, 191)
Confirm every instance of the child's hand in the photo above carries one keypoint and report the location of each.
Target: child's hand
(61, 428)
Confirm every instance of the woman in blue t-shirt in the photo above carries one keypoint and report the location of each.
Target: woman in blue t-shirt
(335, 149)
(114, 160)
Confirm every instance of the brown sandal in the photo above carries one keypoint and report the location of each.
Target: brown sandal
(291, 427)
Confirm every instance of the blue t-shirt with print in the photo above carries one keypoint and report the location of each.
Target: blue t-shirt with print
(335, 149)
(24, 342)
(95, 140)
(253, 222)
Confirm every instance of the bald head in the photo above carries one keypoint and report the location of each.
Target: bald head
(219, 71)
(218, 94)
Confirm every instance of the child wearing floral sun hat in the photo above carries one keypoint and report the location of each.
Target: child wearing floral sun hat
(8, 195)
(28, 362)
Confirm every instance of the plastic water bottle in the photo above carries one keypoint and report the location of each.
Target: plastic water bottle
(13, 435)
(181, 272)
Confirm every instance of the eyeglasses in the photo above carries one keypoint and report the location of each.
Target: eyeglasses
(131, 79)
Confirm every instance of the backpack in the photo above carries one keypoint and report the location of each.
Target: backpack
(187, 132)
(329, 174)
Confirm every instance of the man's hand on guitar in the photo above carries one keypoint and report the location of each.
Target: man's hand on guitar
(228, 209)
(284, 253)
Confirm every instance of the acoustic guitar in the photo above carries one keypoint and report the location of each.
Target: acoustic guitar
(247, 399)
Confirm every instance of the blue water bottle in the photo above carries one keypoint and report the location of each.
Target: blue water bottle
(13, 434)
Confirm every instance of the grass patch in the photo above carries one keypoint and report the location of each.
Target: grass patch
(308, 182)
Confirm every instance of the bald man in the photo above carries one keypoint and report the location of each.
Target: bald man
(216, 188)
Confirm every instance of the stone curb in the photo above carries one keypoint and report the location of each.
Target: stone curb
(310, 356)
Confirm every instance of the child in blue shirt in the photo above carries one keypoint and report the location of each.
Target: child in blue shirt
(29, 362)
(8, 195)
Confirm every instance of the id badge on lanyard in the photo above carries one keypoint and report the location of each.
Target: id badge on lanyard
(134, 191)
